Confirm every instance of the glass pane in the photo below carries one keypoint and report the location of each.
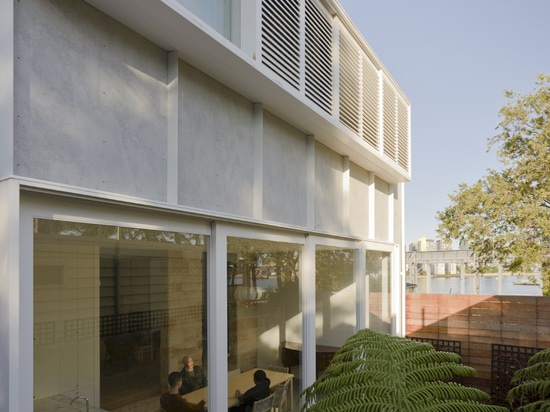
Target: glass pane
(264, 314)
(379, 290)
(216, 13)
(335, 308)
(115, 310)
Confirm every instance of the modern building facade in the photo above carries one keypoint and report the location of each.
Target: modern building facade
(203, 178)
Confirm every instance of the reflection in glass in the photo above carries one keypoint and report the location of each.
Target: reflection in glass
(379, 290)
(115, 310)
(263, 304)
(336, 318)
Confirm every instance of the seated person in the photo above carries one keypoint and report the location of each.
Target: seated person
(256, 393)
(172, 401)
(193, 376)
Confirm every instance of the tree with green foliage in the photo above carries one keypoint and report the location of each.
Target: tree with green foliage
(377, 372)
(532, 392)
(505, 216)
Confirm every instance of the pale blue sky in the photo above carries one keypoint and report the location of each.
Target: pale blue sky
(453, 59)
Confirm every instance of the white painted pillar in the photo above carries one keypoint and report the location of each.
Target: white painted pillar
(307, 293)
(172, 155)
(217, 318)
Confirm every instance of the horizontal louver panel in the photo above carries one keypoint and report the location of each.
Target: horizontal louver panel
(349, 93)
(318, 70)
(390, 122)
(371, 105)
(281, 38)
(403, 154)
(300, 49)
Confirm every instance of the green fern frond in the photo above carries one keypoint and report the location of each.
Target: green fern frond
(379, 372)
(532, 389)
(455, 406)
(535, 371)
(438, 357)
(538, 406)
(443, 391)
(439, 372)
(540, 357)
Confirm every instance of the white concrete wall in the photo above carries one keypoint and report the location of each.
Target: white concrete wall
(359, 201)
(284, 172)
(91, 111)
(6, 89)
(381, 209)
(328, 190)
(216, 146)
(90, 106)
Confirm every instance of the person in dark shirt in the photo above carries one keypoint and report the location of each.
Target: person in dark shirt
(172, 401)
(193, 376)
(259, 391)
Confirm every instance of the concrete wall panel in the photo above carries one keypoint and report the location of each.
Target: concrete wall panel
(359, 201)
(284, 172)
(328, 190)
(381, 209)
(216, 146)
(90, 101)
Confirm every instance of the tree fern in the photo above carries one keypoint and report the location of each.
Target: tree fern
(377, 372)
(532, 392)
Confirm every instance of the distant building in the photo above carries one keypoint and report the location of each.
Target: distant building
(444, 245)
(423, 245)
(426, 245)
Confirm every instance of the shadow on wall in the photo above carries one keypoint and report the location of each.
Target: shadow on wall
(496, 334)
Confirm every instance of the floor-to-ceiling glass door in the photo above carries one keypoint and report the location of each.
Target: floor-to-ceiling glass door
(115, 310)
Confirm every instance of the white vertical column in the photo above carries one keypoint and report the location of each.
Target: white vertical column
(172, 119)
(217, 318)
(360, 269)
(16, 332)
(310, 195)
(370, 207)
(391, 214)
(258, 161)
(398, 283)
(6, 92)
(401, 259)
(346, 201)
(307, 294)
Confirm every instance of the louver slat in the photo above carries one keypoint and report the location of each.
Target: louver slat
(281, 39)
(371, 104)
(318, 69)
(403, 135)
(350, 98)
(390, 122)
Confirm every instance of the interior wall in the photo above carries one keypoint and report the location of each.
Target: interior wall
(66, 333)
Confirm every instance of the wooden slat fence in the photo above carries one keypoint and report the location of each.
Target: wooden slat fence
(479, 322)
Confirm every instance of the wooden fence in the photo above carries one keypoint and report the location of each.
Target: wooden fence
(480, 323)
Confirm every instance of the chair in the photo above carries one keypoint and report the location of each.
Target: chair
(280, 397)
(234, 372)
(277, 368)
(264, 405)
